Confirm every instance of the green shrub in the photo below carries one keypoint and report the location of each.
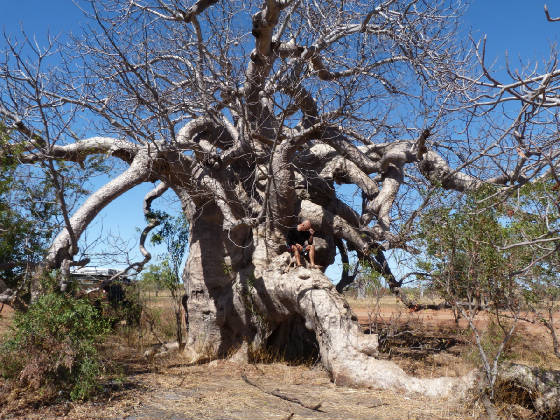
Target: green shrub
(52, 346)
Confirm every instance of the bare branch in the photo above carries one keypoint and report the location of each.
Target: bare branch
(139, 171)
(548, 15)
(153, 222)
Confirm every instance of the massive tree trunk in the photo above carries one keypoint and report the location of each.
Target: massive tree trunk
(245, 296)
(217, 323)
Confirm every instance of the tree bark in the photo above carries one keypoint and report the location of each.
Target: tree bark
(216, 322)
(266, 300)
(535, 388)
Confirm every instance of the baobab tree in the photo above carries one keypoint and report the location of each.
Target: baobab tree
(252, 113)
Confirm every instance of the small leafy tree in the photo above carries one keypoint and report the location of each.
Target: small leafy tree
(497, 251)
(173, 233)
(533, 216)
(52, 346)
(27, 222)
(31, 211)
(371, 285)
(467, 268)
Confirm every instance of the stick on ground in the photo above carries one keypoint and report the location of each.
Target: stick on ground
(283, 396)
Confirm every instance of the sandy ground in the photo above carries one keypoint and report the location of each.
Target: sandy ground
(532, 341)
(436, 319)
(173, 389)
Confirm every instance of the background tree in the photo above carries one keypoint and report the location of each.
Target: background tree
(495, 251)
(466, 268)
(28, 222)
(533, 218)
(31, 215)
(166, 275)
(251, 113)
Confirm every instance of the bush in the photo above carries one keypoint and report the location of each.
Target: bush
(121, 303)
(52, 346)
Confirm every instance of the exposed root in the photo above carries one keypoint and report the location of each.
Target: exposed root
(161, 350)
(539, 388)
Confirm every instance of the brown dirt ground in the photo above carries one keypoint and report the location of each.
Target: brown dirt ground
(173, 389)
(176, 390)
(531, 344)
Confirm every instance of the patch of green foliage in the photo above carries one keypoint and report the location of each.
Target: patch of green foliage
(20, 240)
(53, 346)
(483, 246)
(174, 234)
(29, 209)
(461, 251)
(495, 250)
(161, 277)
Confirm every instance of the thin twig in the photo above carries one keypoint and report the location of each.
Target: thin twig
(278, 394)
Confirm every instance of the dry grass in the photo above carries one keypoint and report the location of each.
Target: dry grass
(434, 345)
(6, 316)
(173, 388)
(157, 322)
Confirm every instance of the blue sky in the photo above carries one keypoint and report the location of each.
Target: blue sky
(516, 26)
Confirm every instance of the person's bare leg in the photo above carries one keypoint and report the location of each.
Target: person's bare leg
(311, 249)
(296, 254)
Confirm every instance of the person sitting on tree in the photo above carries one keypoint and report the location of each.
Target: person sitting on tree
(300, 241)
